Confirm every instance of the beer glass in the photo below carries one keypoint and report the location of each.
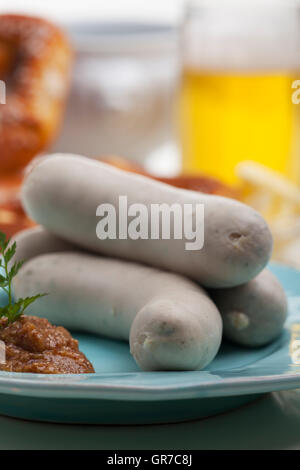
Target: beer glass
(240, 66)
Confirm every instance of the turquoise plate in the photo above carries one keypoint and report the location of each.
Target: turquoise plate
(119, 393)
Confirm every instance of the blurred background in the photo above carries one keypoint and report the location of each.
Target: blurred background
(199, 94)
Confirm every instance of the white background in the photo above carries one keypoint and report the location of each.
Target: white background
(67, 10)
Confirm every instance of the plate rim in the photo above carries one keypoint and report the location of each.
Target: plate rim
(223, 387)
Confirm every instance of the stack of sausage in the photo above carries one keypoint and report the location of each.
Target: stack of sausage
(172, 304)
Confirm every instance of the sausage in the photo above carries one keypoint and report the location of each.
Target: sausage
(253, 314)
(172, 323)
(63, 192)
(37, 241)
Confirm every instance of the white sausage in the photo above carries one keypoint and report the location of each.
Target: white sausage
(253, 314)
(62, 193)
(37, 241)
(175, 325)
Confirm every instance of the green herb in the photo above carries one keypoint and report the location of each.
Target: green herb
(13, 310)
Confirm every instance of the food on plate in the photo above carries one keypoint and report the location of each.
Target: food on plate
(171, 321)
(35, 61)
(62, 192)
(32, 344)
(253, 314)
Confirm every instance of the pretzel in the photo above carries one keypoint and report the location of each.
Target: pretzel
(35, 60)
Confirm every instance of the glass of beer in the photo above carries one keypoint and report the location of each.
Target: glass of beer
(241, 63)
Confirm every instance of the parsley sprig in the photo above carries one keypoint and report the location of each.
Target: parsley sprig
(13, 310)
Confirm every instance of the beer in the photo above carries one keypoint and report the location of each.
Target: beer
(235, 100)
(229, 117)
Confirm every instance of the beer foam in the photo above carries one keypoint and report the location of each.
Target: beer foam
(239, 36)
